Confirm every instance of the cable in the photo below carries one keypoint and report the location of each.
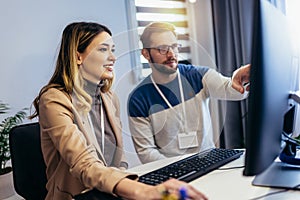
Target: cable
(290, 138)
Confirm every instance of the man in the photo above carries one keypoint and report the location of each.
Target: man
(168, 110)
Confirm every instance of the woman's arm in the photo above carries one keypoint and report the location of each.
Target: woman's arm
(130, 189)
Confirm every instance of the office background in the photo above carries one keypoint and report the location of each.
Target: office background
(30, 35)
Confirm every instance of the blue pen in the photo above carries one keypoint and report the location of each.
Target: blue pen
(183, 193)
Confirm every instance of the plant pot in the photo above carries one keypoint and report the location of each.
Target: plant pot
(6, 185)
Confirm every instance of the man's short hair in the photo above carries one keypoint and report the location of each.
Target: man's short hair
(155, 27)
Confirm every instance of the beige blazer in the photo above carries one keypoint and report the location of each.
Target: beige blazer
(71, 152)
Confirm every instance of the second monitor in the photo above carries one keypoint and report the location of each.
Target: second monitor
(271, 83)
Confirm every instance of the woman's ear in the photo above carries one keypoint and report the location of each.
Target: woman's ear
(146, 54)
(79, 58)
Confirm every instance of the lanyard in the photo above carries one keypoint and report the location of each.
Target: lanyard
(166, 100)
(102, 126)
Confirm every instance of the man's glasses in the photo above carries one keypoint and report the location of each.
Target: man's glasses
(164, 49)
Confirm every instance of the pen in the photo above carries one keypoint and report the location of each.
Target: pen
(182, 193)
(168, 196)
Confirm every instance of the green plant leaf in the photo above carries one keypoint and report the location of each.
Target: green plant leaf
(5, 126)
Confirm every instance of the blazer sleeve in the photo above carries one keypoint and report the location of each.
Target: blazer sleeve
(57, 121)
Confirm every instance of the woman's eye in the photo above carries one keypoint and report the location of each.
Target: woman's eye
(103, 49)
(113, 50)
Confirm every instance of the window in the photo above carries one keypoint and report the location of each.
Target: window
(172, 11)
(292, 12)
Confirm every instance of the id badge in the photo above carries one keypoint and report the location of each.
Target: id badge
(187, 140)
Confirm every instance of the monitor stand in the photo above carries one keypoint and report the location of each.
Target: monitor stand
(279, 175)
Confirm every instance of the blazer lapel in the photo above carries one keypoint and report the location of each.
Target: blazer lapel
(84, 125)
(110, 108)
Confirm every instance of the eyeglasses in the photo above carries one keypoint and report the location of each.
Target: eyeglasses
(164, 49)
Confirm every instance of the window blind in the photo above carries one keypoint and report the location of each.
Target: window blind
(172, 11)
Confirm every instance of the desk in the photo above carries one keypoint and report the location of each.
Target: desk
(225, 184)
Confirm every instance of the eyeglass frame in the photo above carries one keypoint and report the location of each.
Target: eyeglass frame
(175, 48)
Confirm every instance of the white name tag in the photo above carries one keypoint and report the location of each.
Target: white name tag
(187, 140)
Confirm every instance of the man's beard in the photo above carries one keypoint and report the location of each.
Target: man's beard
(163, 68)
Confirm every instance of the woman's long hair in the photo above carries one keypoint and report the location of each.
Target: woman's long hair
(76, 37)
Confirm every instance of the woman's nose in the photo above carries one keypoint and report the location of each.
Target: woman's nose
(112, 56)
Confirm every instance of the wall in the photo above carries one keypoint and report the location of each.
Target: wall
(30, 35)
(292, 12)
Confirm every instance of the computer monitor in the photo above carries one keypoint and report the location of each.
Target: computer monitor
(269, 105)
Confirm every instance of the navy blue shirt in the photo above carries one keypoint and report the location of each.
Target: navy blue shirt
(144, 97)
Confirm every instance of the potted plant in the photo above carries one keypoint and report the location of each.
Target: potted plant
(6, 185)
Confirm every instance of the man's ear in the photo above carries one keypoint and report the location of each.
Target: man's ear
(79, 59)
(146, 54)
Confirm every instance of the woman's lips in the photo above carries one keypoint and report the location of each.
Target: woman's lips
(108, 67)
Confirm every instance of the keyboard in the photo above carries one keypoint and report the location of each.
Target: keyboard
(192, 167)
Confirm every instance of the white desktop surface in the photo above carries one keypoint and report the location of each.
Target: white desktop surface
(227, 184)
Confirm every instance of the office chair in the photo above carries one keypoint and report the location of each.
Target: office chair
(29, 169)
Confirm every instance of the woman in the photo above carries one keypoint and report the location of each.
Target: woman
(80, 123)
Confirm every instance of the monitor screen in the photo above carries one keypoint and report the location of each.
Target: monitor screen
(268, 102)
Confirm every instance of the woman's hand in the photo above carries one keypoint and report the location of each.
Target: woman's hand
(173, 187)
(130, 189)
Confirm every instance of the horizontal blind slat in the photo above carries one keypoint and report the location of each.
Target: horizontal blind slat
(185, 49)
(174, 0)
(161, 10)
(183, 36)
(177, 24)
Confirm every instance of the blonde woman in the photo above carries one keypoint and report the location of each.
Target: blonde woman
(80, 123)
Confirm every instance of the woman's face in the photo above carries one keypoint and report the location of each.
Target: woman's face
(97, 61)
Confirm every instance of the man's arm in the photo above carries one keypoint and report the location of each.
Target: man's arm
(143, 139)
(220, 87)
